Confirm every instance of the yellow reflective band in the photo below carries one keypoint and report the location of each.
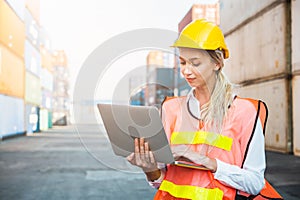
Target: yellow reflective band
(202, 137)
(191, 192)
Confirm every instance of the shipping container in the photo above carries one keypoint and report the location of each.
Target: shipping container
(43, 119)
(274, 94)
(11, 116)
(296, 115)
(60, 73)
(155, 58)
(44, 39)
(34, 7)
(32, 59)
(295, 35)
(165, 77)
(18, 7)
(61, 103)
(32, 89)
(46, 59)
(32, 118)
(46, 80)
(137, 97)
(256, 53)
(233, 13)
(60, 59)
(46, 99)
(209, 12)
(32, 30)
(12, 30)
(12, 73)
(50, 124)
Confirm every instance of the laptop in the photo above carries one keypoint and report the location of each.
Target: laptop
(124, 123)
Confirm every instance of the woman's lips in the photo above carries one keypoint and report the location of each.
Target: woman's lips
(190, 79)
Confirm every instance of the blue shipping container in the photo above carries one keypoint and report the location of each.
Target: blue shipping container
(11, 116)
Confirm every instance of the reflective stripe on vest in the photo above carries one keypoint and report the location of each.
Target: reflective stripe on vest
(191, 192)
(202, 137)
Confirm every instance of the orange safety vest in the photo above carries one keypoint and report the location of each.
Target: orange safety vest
(231, 147)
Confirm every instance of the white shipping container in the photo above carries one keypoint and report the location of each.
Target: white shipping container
(32, 59)
(46, 99)
(43, 119)
(295, 35)
(259, 48)
(33, 92)
(47, 79)
(44, 39)
(233, 12)
(296, 115)
(274, 94)
(11, 116)
(18, 7)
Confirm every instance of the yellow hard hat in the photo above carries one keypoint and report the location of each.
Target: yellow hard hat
(201, 34)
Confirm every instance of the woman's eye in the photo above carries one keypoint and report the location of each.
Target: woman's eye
(196, 64)
(182, 63)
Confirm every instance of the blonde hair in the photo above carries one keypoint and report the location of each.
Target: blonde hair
(214, 112)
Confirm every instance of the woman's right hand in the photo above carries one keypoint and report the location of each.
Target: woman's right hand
(142, 156)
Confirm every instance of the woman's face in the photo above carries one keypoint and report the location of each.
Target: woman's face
(197, 67)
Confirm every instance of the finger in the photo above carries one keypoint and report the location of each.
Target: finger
(142, 150)
(147, 156)
(136, 146)
(137, 152)
(142, 145)
(152, 159)
(130, 158)
(138, 160)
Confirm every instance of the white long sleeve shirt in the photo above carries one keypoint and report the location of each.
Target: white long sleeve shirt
(250, 178)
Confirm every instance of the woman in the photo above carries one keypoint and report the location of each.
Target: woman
(209, 127)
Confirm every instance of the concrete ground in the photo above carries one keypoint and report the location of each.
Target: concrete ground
(77, 163)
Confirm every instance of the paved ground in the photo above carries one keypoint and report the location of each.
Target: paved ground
(62, 164)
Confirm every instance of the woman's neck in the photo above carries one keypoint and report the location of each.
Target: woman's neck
(204, 93)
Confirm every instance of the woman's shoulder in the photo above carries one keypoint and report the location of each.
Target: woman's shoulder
(173, 101)
(246, 104)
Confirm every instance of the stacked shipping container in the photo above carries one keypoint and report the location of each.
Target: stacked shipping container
(26, 80)
(295, 15)
(154, 60)
(159, 77)
(33, 93)
(61, 100)
(198, 11)
(46, 81)
(12, 69)
(258, 34)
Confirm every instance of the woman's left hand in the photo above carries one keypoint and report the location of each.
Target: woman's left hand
(184, 152)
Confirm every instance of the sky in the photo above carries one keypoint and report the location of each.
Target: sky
(78, 27)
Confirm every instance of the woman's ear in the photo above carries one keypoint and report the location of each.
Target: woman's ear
(217, 67)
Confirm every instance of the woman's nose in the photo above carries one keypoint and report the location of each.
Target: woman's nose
(187, 69)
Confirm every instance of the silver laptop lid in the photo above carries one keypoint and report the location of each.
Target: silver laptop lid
(123, 123)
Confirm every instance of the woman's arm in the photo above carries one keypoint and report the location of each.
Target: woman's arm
(250, 178)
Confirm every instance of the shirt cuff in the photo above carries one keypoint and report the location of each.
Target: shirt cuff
(221, 169)
(156, 183)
